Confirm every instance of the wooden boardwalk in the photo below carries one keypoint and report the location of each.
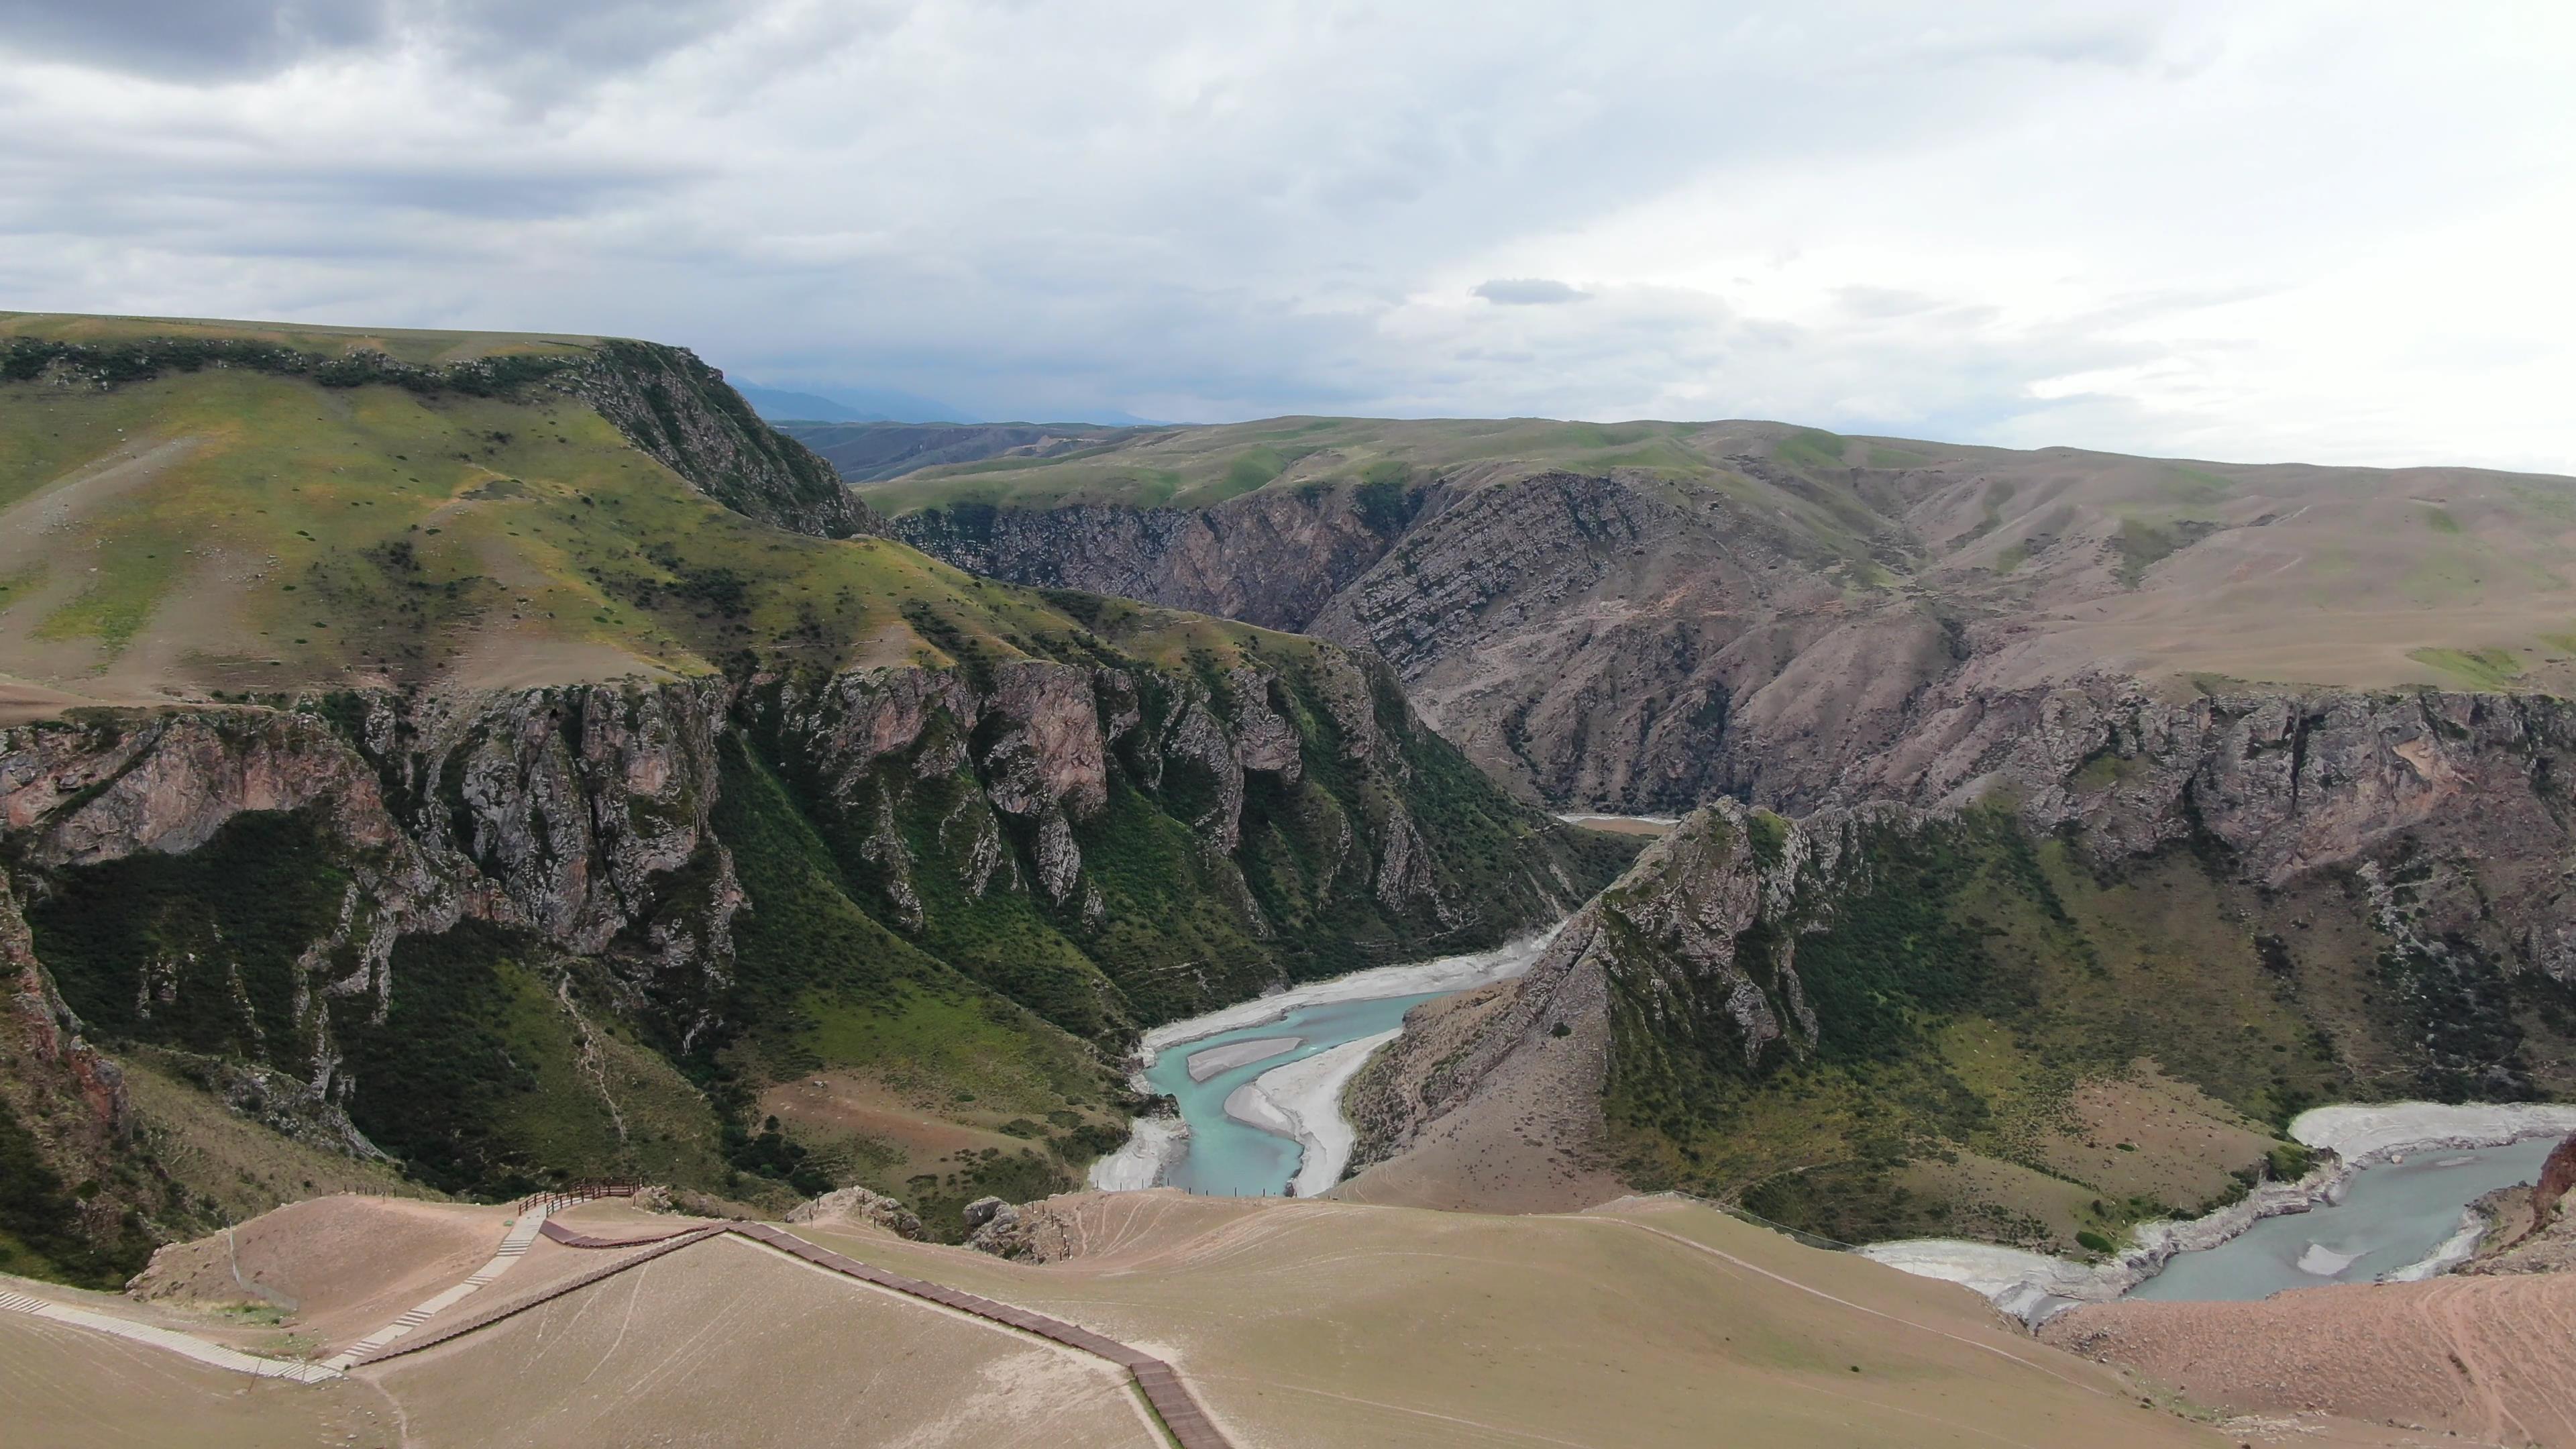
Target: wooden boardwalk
(1160, 1383)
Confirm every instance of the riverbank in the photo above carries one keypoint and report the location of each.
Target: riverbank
(1300, 1101)
(1439, 976)
(2036, 1286)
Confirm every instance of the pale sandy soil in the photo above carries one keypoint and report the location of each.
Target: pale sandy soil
(341, 1267)
(1206, 1064)
(2374, 1131)
(729, 1343)
(1307, 1095)
(1649, 826)
(2487, 1358)
(61, 1385)
(1649, 1323)
(1153, 1144)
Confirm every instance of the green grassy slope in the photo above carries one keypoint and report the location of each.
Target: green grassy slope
(261, 520)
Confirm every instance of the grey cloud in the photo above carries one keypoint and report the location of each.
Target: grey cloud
(1528, 292)
(208, 40)
(1205, 212)
(213, 39)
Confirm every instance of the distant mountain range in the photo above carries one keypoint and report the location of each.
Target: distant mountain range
(850, 405)
(885, 405)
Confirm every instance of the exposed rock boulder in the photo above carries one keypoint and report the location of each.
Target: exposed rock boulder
(859, 1205)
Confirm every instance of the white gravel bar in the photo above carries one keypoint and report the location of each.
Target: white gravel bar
(1206, 1064)
(1304, 1099)
(1153, 1144)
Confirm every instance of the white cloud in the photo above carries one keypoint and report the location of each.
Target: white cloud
(2248, 231)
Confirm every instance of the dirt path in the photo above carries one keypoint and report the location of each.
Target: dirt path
(163, 1338)
(25, 525)
(1161, 1385)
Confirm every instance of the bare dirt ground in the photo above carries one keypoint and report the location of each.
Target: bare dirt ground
(22, 701)
(1526, 1141)
(507, 658)
(2483, 1358)
(61, 1385)
(339, 1267)
(859, 1111)
(729, 1343)
(1651, 1322)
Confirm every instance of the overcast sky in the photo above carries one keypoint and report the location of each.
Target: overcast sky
(2332, 231)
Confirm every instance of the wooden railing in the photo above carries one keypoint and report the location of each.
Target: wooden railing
(587, 1190)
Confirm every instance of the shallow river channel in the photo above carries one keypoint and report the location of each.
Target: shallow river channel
(1226, 1156)
(1248, 1131)
(2393, 1215)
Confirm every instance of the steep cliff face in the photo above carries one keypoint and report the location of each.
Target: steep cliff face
(1642, 617)
(2091, 909)
(1276, 559)
(675, 407)
(476, 932)
(1601, 640)
(63, 1117)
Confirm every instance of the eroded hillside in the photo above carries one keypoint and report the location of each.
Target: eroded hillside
(1645, 615)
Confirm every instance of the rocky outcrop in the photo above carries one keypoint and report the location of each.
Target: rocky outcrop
(1103, 842)
(64, 1116)
(1698, 942)
(1033, 1232)
(45, 1042)
(1597, 640)
(859, 1205)
(2419, 833)
(679, 410)
(2556, 1176)
(1276, 559)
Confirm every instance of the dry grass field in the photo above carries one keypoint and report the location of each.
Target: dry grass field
(1648, 1322)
